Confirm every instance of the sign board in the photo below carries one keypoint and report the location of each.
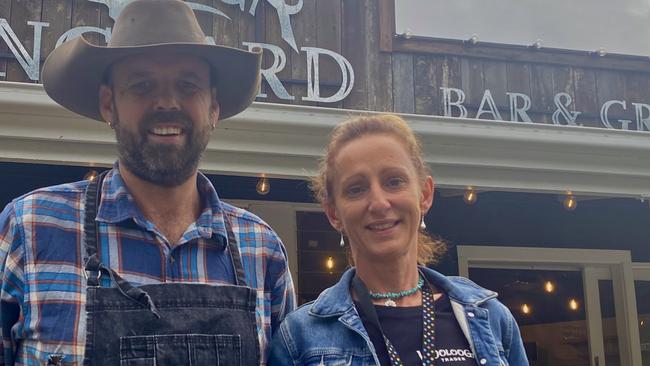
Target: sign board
(29, 60)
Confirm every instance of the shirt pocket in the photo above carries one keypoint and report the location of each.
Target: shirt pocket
(330, 357)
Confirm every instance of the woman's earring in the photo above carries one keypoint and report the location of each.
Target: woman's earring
(423, 226)
(342, 242)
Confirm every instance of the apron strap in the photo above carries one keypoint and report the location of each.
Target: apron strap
(91, 233)
(235, 256)
(93, 268)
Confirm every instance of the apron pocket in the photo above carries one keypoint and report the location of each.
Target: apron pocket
(180, 349)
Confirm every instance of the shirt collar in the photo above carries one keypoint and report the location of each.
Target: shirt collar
(117, 205)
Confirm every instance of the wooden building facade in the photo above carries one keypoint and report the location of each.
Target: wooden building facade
(588, 137)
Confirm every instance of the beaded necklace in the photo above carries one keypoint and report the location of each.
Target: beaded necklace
(392, 296)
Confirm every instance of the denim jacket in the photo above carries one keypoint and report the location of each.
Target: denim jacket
(329, 331)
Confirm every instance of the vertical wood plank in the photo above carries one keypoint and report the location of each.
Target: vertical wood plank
(386, 24)
(472, 81)
(5, 13)
(105, 21)
(256, 32)
(585, 99)
(355, 49)
(23, 11)
(274, 36)
(86, 13)
(496, 80)
(380, 94)
(518, 78)
(404, 99)
(59, 14)
(450, 73)
(610, 85)
(563, 83)
(637, 85)
(304, 29)
(427, 84)
(226, 32)
(542, 92)
(328, 36)
(204, 18)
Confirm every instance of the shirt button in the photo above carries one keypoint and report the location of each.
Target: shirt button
(471, 315)
(483, 361)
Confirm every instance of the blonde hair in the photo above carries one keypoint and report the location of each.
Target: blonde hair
(429, 249)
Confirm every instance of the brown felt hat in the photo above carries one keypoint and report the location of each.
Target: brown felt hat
(74, 71)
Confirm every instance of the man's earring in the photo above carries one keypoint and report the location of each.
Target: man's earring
(110, 124)
(213, 126)
(342, 242)
(423, 226)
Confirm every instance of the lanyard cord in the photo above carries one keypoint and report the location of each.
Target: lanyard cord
(428, 315)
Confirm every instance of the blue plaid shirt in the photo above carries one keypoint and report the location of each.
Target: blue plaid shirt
(42, 307)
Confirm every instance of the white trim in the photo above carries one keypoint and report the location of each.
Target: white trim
(594, 316)
(287, 141)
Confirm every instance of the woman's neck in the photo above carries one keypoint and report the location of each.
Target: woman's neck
(393, 276)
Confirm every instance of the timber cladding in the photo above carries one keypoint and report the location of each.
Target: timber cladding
(390, 73)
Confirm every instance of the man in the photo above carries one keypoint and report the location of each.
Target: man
(144, 265)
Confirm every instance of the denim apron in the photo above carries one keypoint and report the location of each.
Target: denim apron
(165, 324)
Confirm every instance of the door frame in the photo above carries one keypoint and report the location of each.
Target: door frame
(595, 265)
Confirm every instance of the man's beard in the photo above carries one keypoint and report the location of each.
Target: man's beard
(165, 165)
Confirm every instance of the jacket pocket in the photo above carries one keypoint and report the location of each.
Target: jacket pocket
(336, 358)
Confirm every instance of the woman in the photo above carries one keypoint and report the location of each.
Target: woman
(389, 310)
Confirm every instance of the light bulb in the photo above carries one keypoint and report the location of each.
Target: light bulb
(549, 286)
(525, 309)
(91, 175)
(573, 304)
(329, 263)
(470, 196)
(263, 186)
(570, 202)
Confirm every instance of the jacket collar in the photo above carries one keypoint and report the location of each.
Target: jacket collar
(336, 300)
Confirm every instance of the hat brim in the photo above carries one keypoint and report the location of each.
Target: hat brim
(74, 71)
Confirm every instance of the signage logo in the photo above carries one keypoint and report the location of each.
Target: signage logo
(453, 100)
(284, 11)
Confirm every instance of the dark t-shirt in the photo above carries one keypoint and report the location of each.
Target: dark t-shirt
(403, 327)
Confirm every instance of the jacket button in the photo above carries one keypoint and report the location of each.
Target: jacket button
(470, 314)
(483, 361)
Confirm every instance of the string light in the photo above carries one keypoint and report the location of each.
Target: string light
(570, 203)
(470, 196)
(91, 175)
(329, 263)
(263, 186)
(525, 309)
(573, 304)
(549, 287)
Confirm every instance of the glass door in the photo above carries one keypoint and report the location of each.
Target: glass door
(574, 307)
